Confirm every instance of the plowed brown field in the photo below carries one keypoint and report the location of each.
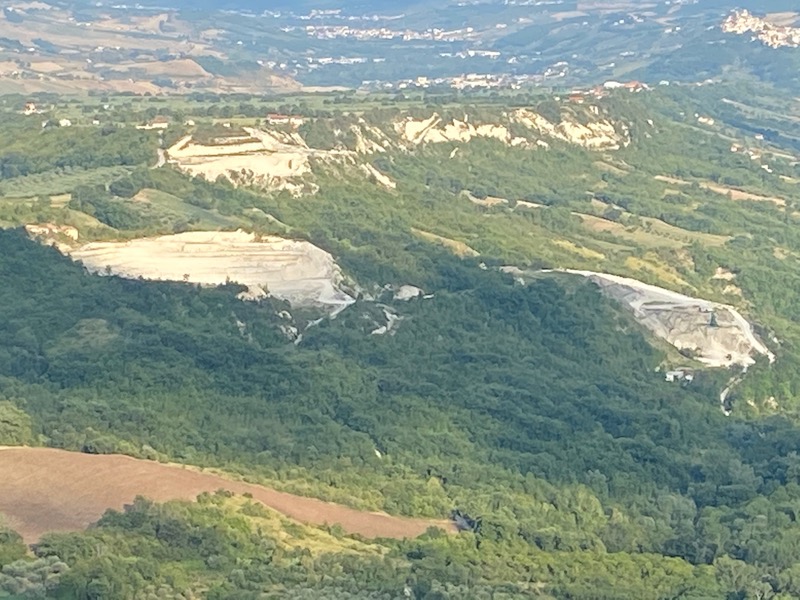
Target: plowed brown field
(44, 490)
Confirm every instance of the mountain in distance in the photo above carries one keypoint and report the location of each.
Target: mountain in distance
(249, 48)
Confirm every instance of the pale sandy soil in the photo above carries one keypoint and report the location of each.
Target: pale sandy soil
(45, 490)
(684, 321)
(671, 180)
(724, 274)
(526, 204)
(736, 194)
(46, 67)
(292, 270)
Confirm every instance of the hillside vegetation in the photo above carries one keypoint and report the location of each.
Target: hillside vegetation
(536, 411)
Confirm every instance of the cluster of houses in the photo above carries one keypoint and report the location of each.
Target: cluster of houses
(774, 36)
(163, 122)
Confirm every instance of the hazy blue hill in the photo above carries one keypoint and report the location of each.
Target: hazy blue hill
(298, 7)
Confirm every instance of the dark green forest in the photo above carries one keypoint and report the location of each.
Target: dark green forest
(534, 407)
(538, 410)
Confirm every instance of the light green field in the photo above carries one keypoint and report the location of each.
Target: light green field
(59, 182)
(163, 205)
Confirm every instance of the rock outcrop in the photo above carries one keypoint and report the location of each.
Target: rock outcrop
(292, 270)
(599, 134)
(596, 135)
(281, 159)
(434, 130)
(712, 333)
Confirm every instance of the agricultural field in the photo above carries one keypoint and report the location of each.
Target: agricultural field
(76, 490)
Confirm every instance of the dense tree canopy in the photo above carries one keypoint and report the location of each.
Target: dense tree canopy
(535, 411)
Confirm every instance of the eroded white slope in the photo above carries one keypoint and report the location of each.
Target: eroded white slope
(293, 270)
(717, 334)
(599, 134)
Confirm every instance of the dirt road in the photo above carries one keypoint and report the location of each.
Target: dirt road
(44, 490)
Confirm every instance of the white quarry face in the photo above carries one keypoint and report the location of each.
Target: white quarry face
(716, 333)
(292, 270)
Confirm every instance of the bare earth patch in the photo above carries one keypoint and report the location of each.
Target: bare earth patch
(458, 248)
(272, 159)
(46, 67)
(716, 334)
(736, 194)
(184, 67)
(46, 489)
(671, 180)
(487, 201)
(293, 270)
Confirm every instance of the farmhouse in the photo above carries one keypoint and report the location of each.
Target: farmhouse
(159, 122)
(278, 119)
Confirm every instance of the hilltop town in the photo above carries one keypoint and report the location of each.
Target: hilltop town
(771, 34)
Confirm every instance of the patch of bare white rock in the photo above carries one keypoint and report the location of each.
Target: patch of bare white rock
(716, 334)
(282, 159)
(596, 135)
(292, 270)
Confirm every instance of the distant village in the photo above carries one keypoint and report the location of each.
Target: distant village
(504, 81)
(774, 36)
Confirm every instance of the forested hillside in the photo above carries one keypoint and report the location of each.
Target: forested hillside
(537, 412)
(535, 408)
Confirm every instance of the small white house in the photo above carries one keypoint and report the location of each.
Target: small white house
(679, 375)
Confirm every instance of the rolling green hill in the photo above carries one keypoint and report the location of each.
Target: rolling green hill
(538, 409)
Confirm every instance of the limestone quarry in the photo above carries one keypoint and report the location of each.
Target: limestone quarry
(270, 159)
(292, 270)
(714, 334)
